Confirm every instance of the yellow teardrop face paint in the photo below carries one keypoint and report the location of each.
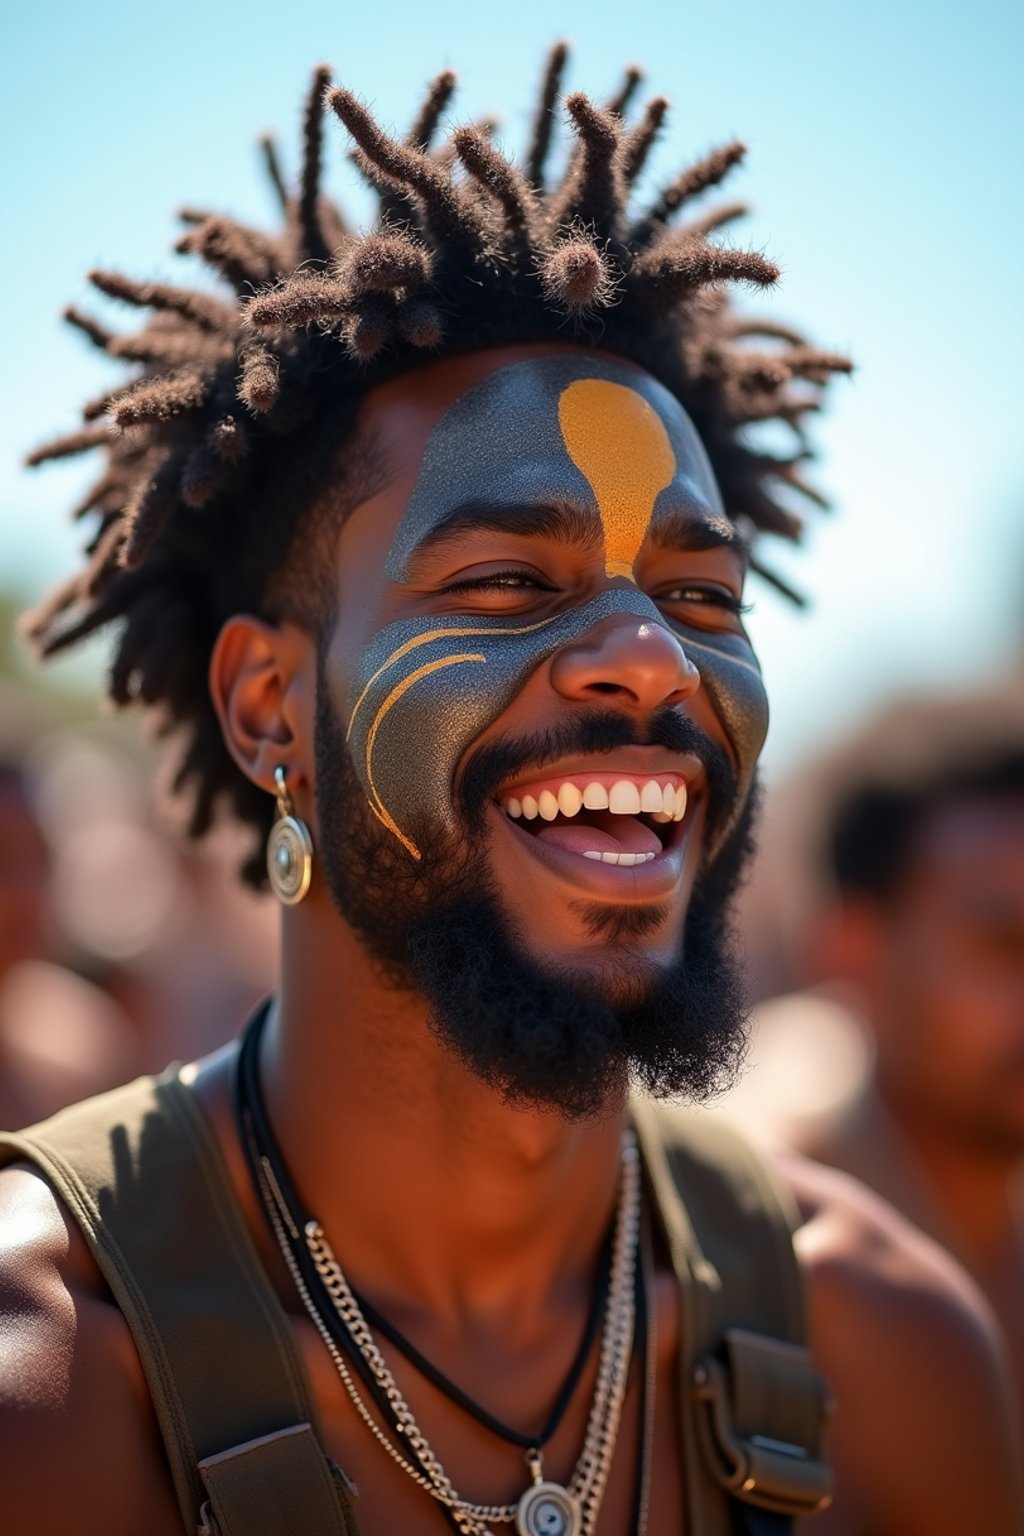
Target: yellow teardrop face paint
(619, 444)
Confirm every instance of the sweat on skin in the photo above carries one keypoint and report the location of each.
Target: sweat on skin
(588, 434)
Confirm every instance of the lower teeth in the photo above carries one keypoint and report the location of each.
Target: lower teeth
(619, 858)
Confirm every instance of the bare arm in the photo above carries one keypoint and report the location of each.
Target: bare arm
(923, 1440)
(79, 1449)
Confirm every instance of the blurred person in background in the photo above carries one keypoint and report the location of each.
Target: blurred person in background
(24, 872)
(162, 927)
(61, 1037)
(923, 938)
(120, 948)
(401, 457)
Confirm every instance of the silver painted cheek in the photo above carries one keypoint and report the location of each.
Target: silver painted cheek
(428, 688)
(734, 684)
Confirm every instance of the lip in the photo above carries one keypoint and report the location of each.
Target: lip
(629, 885)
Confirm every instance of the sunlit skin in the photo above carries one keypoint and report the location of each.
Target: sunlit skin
(940, 965)
(471, 1223)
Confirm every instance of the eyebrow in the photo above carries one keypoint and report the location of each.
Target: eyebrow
(694, 535)
(566, 523)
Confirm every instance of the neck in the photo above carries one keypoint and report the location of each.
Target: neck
(976, 1183)
(435, 1193)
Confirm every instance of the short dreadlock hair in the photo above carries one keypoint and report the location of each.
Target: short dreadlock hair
(244, 405)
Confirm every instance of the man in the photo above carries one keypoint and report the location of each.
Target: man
(927, 925)
(61, 1037)
(446, 601)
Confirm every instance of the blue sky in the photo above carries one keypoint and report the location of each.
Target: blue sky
(885, 167)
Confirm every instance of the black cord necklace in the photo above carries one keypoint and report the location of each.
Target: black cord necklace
(262, 1155)
(253, 1110)
(645, 1346)
(455, 1393)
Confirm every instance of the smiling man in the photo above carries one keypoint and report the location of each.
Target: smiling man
(508, 703)
(446, 601)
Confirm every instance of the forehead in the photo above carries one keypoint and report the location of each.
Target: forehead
(968, 857)
(570, 427)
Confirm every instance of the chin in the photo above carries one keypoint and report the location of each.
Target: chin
(622, 975)
(615, 954)
(632, 986)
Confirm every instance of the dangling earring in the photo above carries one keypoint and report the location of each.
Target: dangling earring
(289, 849)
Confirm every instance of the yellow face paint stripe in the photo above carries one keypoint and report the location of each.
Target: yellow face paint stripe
(380, 810)
(438, 634)
(619, 443)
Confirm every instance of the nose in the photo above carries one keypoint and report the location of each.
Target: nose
(634, 662)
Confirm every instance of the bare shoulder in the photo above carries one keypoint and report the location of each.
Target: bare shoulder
(79, 1448)
(923, 1438)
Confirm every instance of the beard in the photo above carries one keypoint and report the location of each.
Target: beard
(542, 1037)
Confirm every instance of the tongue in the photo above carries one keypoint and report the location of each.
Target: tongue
(603, 833)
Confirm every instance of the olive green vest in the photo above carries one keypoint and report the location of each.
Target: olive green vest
(140, 1172)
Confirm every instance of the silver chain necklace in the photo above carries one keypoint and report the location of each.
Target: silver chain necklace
(546, 1508)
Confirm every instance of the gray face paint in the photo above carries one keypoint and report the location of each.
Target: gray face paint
(503, 442)
(426, 688)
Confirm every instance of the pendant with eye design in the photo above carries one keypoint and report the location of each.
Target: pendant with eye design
(547, 1509)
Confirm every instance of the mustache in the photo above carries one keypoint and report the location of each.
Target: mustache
(595, 733)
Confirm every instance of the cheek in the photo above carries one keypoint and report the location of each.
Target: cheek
(426, 689)
(741, 704)
(948, 1023)
(408, 737)
(732, 680)
(976, 1015)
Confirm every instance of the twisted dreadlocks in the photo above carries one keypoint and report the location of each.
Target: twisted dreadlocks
(243, 407)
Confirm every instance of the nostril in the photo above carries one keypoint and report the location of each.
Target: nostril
(605, 688)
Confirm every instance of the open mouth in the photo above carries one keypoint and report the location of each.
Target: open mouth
(612, 818)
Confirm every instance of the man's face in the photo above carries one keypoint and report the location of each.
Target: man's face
(537, 701)
(948, 978)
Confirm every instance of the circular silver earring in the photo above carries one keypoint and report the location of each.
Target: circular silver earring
(289, 849)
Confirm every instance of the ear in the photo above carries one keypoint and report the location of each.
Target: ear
(262, 682)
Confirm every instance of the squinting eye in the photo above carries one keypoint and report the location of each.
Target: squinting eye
(499, 581)
(718, 597)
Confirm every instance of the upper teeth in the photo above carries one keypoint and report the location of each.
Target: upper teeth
(623, 798)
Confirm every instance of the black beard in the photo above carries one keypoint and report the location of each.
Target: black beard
(540, 1037)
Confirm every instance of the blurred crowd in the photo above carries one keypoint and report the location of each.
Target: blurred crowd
(884, 924)
(122, 947)
(885, 928)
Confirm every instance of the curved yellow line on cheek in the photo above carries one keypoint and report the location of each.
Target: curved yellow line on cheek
(619, 444)
(380, 810)
(431, 635)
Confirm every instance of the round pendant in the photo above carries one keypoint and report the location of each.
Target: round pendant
(547, 1509)
(289, 860)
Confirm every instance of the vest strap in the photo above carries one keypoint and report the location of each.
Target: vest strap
(757, 1384)
(752, 1404)
(258, 1488)
(142, 1175)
